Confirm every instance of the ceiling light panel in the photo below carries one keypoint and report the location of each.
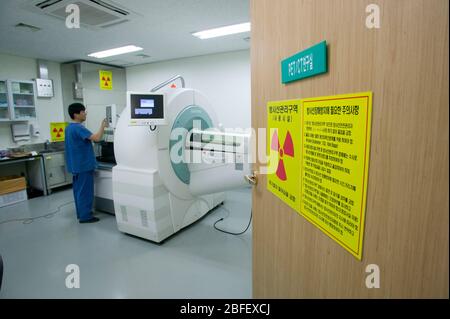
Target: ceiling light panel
(223, 31)
(116, 51)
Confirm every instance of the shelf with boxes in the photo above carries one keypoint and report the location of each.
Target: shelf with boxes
(23, 102)
(13, 189)
(4, 105)
(17, 100)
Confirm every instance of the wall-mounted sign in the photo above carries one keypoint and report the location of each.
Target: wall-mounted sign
(306, 63)
(335, 165)
(57, 131)
(284, 146)
(105, 78)
(322, 156)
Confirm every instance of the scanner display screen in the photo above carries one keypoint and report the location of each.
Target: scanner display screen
(147, 106)
(147, 103)
(143, 111)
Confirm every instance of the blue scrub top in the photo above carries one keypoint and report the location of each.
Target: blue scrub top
(80, 155)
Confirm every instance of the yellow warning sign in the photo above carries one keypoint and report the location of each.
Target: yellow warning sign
(319, 161)
(284, 149)
(105, 78)
(57, 130)
(335, 163)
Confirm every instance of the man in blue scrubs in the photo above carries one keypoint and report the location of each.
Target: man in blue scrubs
(81, 161)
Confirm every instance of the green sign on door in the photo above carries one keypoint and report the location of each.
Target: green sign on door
(306, 63)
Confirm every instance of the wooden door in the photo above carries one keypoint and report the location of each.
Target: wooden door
(405, 64)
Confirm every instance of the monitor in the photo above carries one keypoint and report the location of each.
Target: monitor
(146, 108)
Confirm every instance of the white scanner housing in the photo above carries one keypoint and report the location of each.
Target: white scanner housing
(156, 194)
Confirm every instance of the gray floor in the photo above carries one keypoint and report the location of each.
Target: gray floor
(198, 262)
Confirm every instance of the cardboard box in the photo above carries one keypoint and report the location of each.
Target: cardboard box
(12, 184)
(13, 198)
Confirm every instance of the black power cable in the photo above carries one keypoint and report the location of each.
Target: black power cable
(231, 233)
(30, 220)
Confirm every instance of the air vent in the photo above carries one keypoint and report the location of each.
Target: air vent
(27, 27)
(114, 24)
(47, 3)
(110, 7)
(97, 14)
(119, 62)
(144, 218)
(123, 210)
(52, 3)
(142, 55)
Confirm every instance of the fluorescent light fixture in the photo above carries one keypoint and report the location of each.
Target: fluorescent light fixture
(219, 32)
(116, 51)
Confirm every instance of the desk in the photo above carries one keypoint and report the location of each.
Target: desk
(29, 159)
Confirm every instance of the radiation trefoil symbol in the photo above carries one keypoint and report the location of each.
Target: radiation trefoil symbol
(286, 150)
(58, 133)
(106, 80)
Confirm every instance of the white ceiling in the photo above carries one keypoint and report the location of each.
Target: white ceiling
(162, 27)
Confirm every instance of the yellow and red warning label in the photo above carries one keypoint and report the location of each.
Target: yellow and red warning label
(105, 78)
(284, 148)
(322, 155)
(57, 131)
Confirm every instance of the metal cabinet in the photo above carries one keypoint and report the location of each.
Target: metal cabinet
(17, 101)
(55, 170)
(22, 100)
(103, 192)
(4, 102)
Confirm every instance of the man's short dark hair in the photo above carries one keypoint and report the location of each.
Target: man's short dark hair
(75, 108)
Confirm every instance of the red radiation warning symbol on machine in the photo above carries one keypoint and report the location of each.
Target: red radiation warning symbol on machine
(286, 150)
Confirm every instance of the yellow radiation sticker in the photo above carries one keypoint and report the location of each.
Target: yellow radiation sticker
(319, 161)
(105, 80)
(57, 131)
(284, 149)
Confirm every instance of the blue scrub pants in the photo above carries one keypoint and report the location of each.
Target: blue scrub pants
(83, 193)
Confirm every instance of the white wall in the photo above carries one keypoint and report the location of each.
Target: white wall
(96, 99)
(224, 78)
(68, 78)
(47, 109)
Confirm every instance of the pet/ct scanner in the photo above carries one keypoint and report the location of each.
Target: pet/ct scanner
(173, 163)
